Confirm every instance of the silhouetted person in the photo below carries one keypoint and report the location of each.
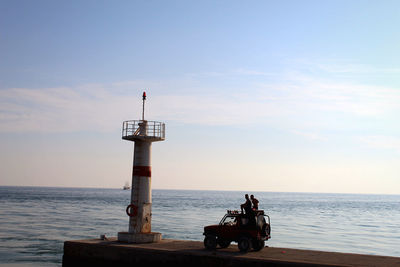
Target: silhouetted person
(255, 202)
(247, 205)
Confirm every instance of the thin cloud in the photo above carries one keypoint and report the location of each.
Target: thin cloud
(310, 135)
(59, 109)
(351, 98)
(289, 103)
(356, 69)
(382, 142)
(248, 72)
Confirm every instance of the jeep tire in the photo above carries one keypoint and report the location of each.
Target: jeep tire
(210, 242)
(258, 245)
(244, 244)
(223, 243)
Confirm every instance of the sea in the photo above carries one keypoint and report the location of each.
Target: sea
(35, 221)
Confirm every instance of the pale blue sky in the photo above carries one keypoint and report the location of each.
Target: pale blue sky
(257, 95)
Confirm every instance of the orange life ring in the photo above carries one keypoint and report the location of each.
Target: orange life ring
(131, 210)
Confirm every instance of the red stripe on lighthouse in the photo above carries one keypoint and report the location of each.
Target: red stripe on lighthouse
(142, 171)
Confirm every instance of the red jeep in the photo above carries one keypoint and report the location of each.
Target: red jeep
(249, 231)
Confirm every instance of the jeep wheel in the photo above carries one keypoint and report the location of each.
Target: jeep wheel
(223, 243)
(210, 242)
(244, 244)
(258, 245)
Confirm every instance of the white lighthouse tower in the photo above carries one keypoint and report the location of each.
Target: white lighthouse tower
(143, 133)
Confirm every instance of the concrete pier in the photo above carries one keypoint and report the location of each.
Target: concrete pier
(109, 252)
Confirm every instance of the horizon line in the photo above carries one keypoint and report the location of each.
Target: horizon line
(215, 190)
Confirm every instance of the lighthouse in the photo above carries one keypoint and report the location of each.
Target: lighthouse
(143, 133)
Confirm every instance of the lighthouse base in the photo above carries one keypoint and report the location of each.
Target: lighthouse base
(138, 238)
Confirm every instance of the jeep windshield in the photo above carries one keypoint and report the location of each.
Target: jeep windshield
(228, 220)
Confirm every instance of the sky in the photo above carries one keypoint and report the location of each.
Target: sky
(287, 96)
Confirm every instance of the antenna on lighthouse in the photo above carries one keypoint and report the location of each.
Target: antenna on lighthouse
(144, 98)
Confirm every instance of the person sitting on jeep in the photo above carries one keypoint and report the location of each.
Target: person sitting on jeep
(247, 205)
(255, 202)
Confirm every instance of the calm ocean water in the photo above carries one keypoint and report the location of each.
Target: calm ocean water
(35, 221)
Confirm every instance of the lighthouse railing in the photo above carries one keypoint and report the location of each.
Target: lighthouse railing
(153, 129)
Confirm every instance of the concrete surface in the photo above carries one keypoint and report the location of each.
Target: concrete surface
(96, 252)
(126, 237)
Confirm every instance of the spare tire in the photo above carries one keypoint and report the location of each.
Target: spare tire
(261, 223)
(268, 229)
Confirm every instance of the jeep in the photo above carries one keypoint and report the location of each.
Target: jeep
(248, 230)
